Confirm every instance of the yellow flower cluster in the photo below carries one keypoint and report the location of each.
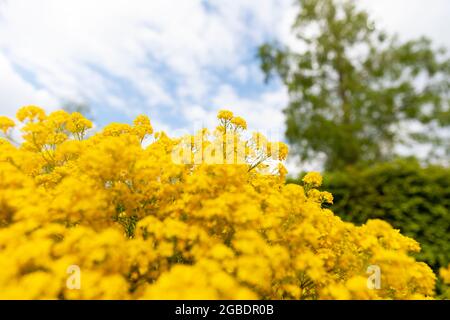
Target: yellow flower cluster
(6, 124)
(313, 179)
(445, 274)
(135, 225)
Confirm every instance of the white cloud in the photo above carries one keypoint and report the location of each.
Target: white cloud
(161, 50)
(263, 113)
(412, 18)
(14, 91)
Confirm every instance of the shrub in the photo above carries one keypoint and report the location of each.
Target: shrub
(138, 225)
(412, 198)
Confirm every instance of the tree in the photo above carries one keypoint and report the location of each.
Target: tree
(352, 87)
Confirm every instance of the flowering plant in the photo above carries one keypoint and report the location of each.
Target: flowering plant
(138, 225)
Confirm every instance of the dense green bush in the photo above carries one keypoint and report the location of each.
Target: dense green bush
(412, 198)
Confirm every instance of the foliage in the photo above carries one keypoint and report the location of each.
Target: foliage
(412, 198)
(139, 225)
(353, 89)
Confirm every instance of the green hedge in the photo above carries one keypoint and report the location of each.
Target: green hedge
(412, 198)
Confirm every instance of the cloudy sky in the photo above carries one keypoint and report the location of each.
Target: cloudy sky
(177, 61)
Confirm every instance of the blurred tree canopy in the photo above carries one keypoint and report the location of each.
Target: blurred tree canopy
(352, 87)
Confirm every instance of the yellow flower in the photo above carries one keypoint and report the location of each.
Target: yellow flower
(117, 129)
(31, 113)
(277, 150)
(6, 124)
(313, 179)
(238, 122)
(445, 274)
(138, 225)
(78, 124)
(327, 197)
(142, 126)
(225, 115)
(58, 119)
(283, 151)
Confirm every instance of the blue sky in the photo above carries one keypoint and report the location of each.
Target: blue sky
(177, 61)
